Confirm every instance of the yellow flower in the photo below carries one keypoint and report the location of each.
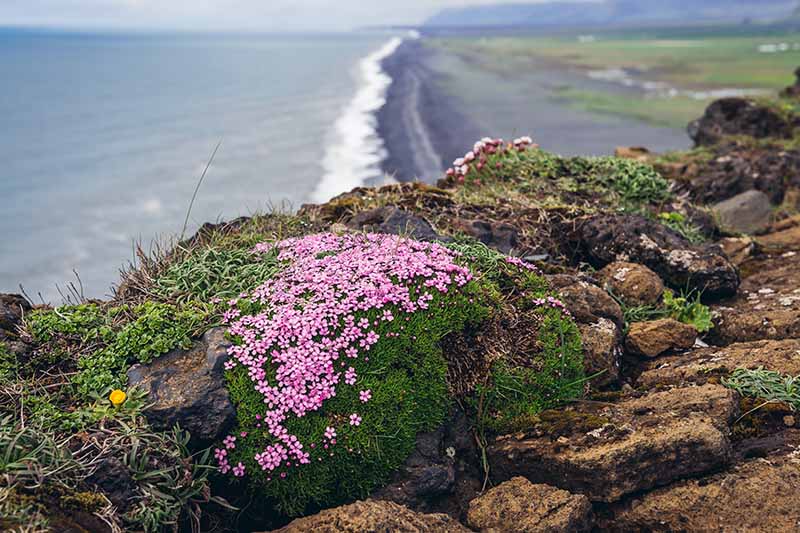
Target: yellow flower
(117, 397)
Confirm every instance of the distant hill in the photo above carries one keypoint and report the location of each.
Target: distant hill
(613, 12)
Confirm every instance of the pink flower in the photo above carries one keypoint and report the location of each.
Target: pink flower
(355, 420)
(330, 433)
(365, 395)
(229, 442)
(238, 470)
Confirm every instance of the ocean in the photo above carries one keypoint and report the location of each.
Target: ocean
(103, 139)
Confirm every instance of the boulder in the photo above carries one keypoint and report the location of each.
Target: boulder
(748, 212)
(440, 475)
(735, 167)
(114, 479)
(393, 220)
(708, 364)
(602, 239)
(187, 387)
(767, 306)
(519, 506)
(759, 495)
(634, 284)
(655, 337)
(608, 451)
(602, 350)
(12, 308)
(739, 116)
(373, 517)
(500, 236)
(587, 302)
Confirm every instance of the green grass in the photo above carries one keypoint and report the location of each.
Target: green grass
(766, 385)
(694, 61)
(671, 112)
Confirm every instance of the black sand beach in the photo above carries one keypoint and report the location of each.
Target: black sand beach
(440, 103)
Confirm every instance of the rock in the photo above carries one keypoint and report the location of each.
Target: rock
(188, 388)
(608, 451)
(500, 236)
(748, 212)
(440, 475)
(738, 249)
(700, 366)
(793, 91)
(12, 308)
(373, 517)
(587, 302)
(655, 337)
(738, 116)
(759, 495)
(603, 239)
(519, 506)
(781, 241)
(735, 167)
(397, 222)
(633, 283)
(767, 306)
(602, 351)
(637, 153)
(114, 479)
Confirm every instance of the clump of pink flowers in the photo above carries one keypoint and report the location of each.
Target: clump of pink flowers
(311, 321)
(487, 153)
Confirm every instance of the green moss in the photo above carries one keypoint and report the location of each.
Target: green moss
(407, 377)
(8, 364)
(89, 502)
(108, 341)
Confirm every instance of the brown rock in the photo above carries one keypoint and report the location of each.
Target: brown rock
(654, 337)
(638, 153)
(187, 387)
(739, 116)
(738, 249)
(373, 517)
(587, 302)
(12, 308)
(519, 506)
(781, 241)
(767, 306)
(602, 350)
(706, 364)
(606, 452)
(756, 496)
(635, 284)
(602, 239)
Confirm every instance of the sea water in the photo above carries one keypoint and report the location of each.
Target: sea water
(103, 139)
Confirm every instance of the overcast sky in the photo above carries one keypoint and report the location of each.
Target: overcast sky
(222, 14)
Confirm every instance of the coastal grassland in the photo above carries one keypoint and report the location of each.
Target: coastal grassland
(692, 62)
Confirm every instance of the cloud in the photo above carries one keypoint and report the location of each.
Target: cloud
(269, 15)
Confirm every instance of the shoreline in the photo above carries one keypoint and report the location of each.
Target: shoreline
(422, 128)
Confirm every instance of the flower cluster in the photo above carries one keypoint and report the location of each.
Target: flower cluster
(555, 303)
(307, 325)
(516, 261)
(484, 154)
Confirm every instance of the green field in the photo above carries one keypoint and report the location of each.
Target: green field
(691, 62)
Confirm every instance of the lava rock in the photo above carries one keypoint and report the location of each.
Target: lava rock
(187, 387)
(738, 116)
(633, 283)
(114, 479)
(602, 351)
(608, 451)
(373, 516)
(748, 212)
(603, 239)
(587, 302)
(395, 221)
(758, 495)
(655, 337)
(501, 237)
(519, 506)
(12, 308)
